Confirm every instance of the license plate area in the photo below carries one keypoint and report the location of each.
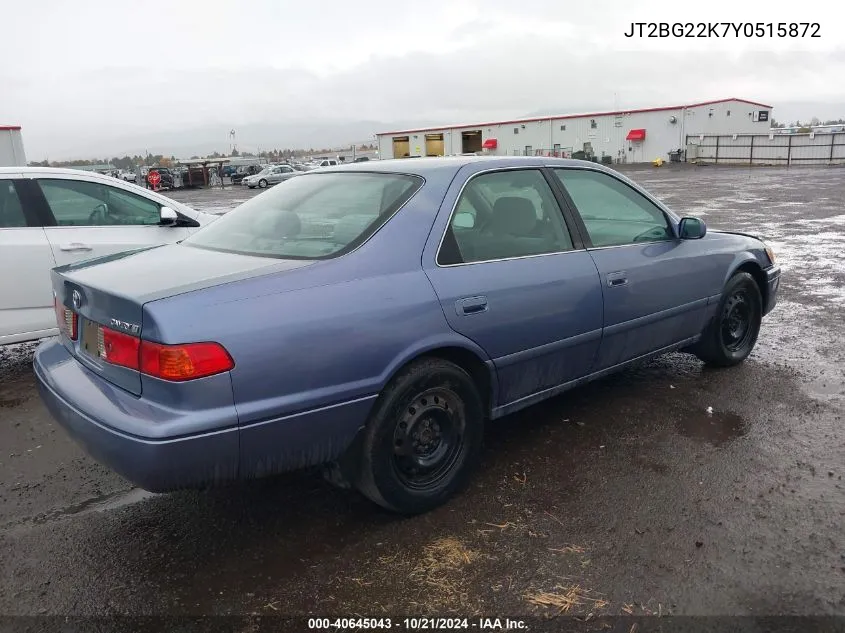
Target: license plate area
(89, 341)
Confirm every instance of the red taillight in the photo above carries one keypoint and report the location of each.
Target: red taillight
(168, 362)
(184, 362)
(66, 319)
(118, 348)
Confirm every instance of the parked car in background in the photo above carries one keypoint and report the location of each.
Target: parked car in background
(53, 217)
(271, 175)
(244, 172)
(361, 159)
(373, 317)
(128, 176)
(326, 162)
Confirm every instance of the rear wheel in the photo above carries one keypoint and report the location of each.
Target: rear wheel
(423, 438)
(732, 334)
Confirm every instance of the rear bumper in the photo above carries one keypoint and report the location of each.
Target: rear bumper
(772, 287)
(157, 464)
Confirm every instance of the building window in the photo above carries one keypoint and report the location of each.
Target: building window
(516, 130)
(563, 128)
(593, 124)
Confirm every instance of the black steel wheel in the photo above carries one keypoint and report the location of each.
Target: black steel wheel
(423, 438)
(732, 333)
(427, 438)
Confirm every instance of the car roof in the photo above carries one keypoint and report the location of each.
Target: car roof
(57, 171)
(428, 165)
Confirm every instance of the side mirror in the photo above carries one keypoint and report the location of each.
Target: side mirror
(168, 216)
(692, 228)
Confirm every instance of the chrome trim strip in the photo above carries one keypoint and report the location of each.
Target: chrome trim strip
(604, 248)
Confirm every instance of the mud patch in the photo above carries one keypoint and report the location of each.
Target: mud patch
(711, 426)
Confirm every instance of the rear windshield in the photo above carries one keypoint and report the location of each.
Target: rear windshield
(312, 216)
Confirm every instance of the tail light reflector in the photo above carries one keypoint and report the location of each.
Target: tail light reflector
(188, 361)
(66, 319)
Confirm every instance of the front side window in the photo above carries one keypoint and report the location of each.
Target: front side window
(503, 215)
(11, 210)
(85, 203)
(313, 216)
(613, 213)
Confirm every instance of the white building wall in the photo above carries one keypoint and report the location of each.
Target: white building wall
(666, 131)
(11, 148)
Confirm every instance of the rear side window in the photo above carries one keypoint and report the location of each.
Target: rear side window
(613, 213)
(504, 215)
(11, 209)
(312, 216)
(85, 203)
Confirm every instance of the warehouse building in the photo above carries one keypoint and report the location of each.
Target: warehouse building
(623, 136)
(11, 146)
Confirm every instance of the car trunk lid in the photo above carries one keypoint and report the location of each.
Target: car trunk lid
(106, 295)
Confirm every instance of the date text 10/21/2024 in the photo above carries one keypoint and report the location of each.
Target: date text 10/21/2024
(417, 624)
(724, 29)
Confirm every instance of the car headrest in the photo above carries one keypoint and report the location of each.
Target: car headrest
(514, 216)
(287, 224)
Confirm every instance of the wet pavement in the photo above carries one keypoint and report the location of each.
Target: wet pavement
(669, 488)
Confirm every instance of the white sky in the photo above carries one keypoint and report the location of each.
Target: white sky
(83, 73)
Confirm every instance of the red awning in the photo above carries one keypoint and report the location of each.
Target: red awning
(635, 135)
(490, 143)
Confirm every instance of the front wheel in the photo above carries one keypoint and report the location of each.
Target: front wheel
(262, 183)
(423, 438)
(732, 334)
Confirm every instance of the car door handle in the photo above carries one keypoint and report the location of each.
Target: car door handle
(471, 305)
(617, 279)
(75, 246)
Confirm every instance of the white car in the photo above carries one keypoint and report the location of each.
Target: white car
(272, 175)
(128, 176)
(52, 217)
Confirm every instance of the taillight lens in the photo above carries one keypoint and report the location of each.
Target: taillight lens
(66, 319)
(184, 362)
(188, 361)
(118, 348)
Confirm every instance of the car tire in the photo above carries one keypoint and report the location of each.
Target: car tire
(732, 332)
(262, 183)
(423, 438)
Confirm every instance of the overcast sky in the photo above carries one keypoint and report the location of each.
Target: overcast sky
(80, 75)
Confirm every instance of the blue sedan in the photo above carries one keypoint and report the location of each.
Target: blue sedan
(372, 318)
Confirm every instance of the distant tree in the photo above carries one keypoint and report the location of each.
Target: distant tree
(235, 152)
(165, 162)
(775, 124)
(815, 121)
(834, 122)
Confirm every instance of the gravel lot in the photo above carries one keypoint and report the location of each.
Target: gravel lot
(625, 496)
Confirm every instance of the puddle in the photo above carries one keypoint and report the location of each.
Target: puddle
(8, 403)
(827, 388)
(715, 428)
(97, 504)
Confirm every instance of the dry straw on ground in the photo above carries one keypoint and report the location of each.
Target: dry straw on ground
(563, 599)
